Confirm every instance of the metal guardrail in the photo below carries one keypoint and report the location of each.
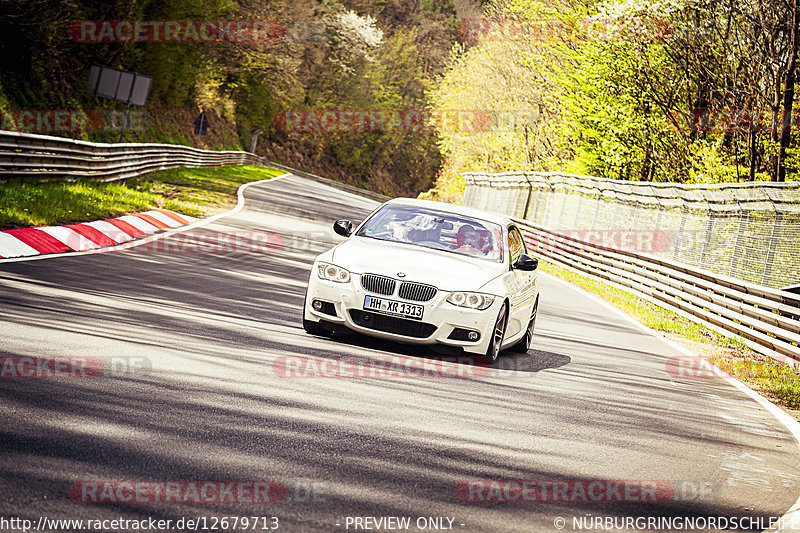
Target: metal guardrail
(767, 320)
(749, 231)
(47, 158)
(56, 158)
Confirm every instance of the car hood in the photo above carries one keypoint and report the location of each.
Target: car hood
(446, 270)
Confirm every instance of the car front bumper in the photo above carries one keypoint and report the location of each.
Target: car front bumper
(439, 318)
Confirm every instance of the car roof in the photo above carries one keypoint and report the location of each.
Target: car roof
(454, 209)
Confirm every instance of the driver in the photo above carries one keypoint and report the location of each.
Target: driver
(466, 239)
(471, 241)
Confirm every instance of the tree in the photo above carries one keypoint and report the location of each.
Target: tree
(788, 94)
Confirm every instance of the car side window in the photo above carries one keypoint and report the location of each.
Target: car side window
(516, 245)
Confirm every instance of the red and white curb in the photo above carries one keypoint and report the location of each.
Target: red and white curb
(137, 224)
(29, 242)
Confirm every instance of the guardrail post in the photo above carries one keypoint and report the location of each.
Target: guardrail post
(528, 201)
(563, 208)
(617, 208)
(658, 216)
(548, 207)
(680, 231)
(542, 194)
(771, 249)
(707, 238)
(598, 202)
(636, 214)
(576, 224)
(744, 214)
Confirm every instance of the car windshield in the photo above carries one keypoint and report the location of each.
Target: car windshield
(435, 229)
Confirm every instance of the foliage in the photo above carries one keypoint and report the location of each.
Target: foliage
(670, 90)
(336, 54)
(382, 72)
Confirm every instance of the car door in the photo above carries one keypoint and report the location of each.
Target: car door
(522, 286)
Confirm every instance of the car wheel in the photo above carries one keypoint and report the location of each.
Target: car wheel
(525, 343)
(498, 333)
(313, 328)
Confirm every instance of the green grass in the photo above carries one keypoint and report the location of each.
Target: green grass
(650, 315)
(196, 192)
(774, 379)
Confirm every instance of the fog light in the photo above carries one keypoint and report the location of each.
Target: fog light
(317, 304)
(462, 334)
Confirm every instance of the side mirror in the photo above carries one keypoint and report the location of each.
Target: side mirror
(526, 263)
(343, 227)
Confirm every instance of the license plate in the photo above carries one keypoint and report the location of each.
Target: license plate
(391, 307)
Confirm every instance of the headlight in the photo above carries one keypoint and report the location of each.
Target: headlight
(473, 300)
(333, 273)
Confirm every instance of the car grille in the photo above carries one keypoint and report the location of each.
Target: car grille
(378, 284)
(417, 291)
(391, 324)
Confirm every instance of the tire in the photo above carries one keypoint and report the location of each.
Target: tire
(498, 333)
(314, 328)
(525, 342)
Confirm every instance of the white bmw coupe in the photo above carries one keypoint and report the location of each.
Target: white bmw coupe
(424, 272)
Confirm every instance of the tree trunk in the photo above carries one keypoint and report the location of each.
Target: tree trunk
(751, 148)
(788, 98)
(774, 133)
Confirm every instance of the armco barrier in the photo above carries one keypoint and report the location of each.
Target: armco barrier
(749, 231)
(767, 320)
(745, 243)
(51, 158)
(56, 158)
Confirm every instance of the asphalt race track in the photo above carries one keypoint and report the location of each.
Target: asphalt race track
(197, 384)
